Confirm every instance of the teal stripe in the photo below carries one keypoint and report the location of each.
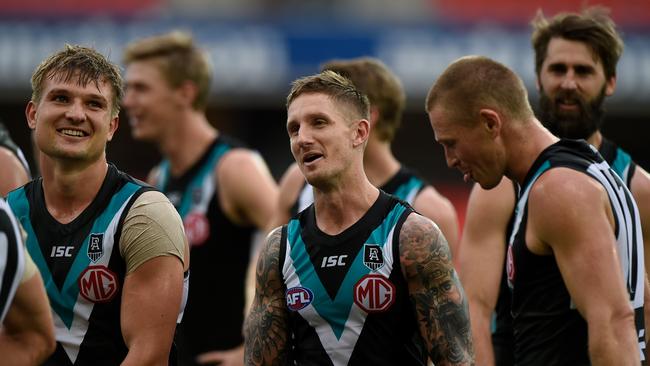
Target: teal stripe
(403, 191)
(62, 302)
(197, 180)
(18, 202)
(621, 163)
(336, 311)
(542, 168)
(380, 234)
(163, 175)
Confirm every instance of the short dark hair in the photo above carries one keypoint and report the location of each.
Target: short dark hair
(593, 27)
(384, 90)
(475, 82)
(334, 85)
(83, 63)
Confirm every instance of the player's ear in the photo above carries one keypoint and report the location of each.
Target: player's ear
(491, 121)
(115, 122)
(30, 114)
(361, 132)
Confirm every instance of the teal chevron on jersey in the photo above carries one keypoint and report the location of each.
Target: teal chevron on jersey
(335, 311)
(197, 180)
(408, 190)
(63, 301)
(621, 164)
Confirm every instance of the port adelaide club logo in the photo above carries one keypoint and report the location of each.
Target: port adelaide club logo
(373, 257)
(95, 247)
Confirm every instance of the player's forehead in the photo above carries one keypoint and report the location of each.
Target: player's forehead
(312, 105)
(570, 52)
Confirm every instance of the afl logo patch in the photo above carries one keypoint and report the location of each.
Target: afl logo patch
(374, 293)
(298, 298)
(373, 257)
(98, 284)
(197, 228)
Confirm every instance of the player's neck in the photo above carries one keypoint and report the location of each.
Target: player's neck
(184, 145)
(596, 139)
(527, 143)
(379, 163)
(69, 189)
(338, 209)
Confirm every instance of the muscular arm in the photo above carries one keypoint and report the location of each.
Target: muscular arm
(435, 290)
(438, 208)
(246, 188)
(266, 329)
(155, 250)
(27, 334)
(12, 174)
(482, 259)
(290, 184)
(570, 216)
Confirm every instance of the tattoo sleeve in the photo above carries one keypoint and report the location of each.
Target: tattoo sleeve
(436, 292)
(265, 328)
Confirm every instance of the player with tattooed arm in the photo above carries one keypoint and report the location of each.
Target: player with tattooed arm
(357, 278)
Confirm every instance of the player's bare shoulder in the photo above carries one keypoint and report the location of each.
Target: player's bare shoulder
(421, 240)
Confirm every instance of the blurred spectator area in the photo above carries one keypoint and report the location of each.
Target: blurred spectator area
(627, 13)
(630, 13)
(51, 8)
(258, 47)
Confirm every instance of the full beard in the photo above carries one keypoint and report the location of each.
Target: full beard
(580, 124)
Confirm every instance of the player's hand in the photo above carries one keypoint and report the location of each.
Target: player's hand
(231, 357)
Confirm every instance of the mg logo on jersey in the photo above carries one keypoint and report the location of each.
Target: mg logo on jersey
(197, 228)
(373, 257)
(98, 284)
(298, 298)
(95, 246)
(374, 293)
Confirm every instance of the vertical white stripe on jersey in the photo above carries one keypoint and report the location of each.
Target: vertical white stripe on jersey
(306, 197)
(20, 258)
(629, 238)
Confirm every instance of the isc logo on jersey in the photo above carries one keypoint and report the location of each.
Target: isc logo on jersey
(298, 298)
(374, 293)
(98, 284)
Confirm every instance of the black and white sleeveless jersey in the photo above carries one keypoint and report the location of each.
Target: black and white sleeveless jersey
(405, 185)
(82, 268)
(347, 298)
(12, 260)
(502, 338)
(548, 330)
(219, 252)
(7, 142)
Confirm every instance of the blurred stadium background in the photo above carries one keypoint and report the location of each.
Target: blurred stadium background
(259, 46)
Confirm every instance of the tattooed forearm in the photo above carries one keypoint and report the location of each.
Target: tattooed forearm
(435, 290)
(265, 328)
